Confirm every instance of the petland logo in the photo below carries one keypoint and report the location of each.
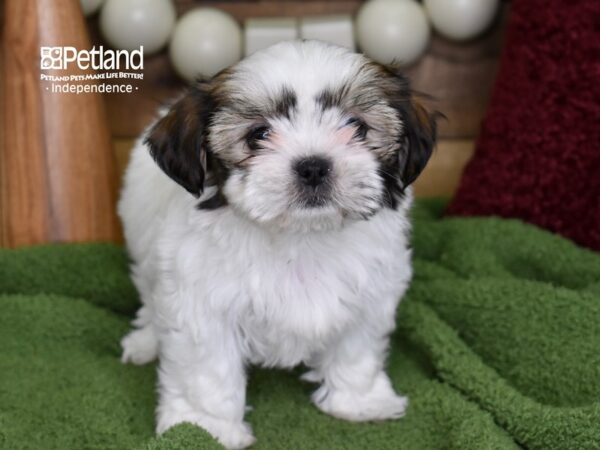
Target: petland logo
(102, 69)
(59, 58)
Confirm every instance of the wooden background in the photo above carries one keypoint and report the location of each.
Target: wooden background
(57, 173)
(459, 76)
(58, 178)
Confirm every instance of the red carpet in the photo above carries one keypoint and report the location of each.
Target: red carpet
(538, 156)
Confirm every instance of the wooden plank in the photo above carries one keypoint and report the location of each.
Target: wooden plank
(58, 179)
(25, 208)
(122, 150)
(241, 9)
(459, 77)
(442, 174)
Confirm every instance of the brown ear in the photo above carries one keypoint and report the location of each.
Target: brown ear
(178, 141)
(419, 126)
(420, 136)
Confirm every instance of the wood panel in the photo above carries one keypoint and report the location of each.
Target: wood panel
(57, 179)
(459, 78)
(242, 10)
(24, 204)
(443, 171)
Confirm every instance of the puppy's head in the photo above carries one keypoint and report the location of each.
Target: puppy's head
(300, 135)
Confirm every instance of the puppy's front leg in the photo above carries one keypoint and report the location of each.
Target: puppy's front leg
(202, 381)
(354, 384)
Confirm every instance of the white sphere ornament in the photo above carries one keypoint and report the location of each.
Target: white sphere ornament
(392, 31)
(205, 41)
(127, 24)
(461, 19)
(89, 7)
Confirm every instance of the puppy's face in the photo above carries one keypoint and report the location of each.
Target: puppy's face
(302, 135)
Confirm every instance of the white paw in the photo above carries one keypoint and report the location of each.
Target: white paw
(379, 403)
(232, 435)
(140, 346)
(312, 376)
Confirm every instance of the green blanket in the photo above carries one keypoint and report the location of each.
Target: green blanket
(498, 347)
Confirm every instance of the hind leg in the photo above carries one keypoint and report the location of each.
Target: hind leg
(354, 385)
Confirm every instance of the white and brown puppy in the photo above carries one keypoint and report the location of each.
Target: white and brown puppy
(266, 213)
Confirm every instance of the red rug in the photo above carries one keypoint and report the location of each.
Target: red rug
(538, 155)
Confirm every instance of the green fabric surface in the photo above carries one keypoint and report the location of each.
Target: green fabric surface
(498, 347)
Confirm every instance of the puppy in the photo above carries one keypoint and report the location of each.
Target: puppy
(266, 214)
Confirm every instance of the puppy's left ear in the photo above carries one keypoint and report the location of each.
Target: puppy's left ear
(419, 136)
(418, 125)
(178, 141)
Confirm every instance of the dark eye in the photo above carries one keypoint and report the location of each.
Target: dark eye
(256, 135)
(361, 127)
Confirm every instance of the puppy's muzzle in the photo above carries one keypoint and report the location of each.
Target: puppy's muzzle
(314, 175)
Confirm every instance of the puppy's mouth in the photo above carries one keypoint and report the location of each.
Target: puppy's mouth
(310, 198)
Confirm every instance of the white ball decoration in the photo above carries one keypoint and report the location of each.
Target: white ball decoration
(205, 41)
(392, 31)
(127, 24)
(89, 7)
(461, 19)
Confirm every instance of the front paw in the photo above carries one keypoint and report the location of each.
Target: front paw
(312, 376)
(140, 346)
(232, 435)
(378, 403)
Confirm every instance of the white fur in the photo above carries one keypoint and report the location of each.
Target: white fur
(221, 290)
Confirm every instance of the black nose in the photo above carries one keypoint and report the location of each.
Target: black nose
(313, 170)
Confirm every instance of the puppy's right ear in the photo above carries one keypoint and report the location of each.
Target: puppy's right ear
(178, 141)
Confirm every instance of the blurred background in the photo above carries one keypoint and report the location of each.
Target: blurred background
(458, 75)
(63, 154)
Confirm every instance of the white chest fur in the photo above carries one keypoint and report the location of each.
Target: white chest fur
(288, 294)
